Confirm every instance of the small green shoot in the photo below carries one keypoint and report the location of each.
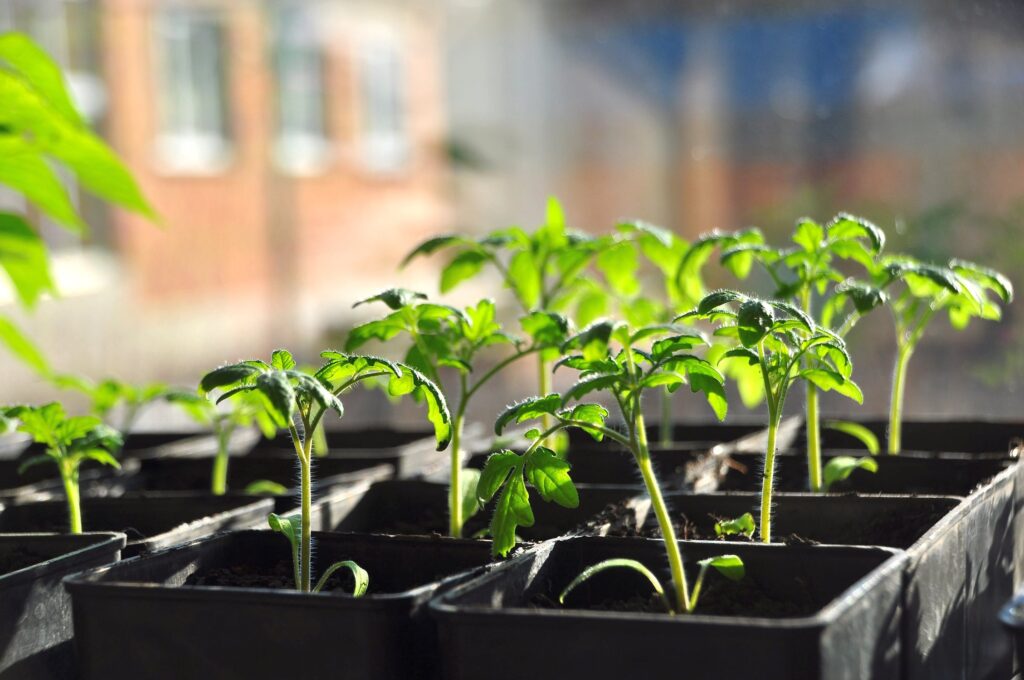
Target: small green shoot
(69, 441)
(841, 467)
(265, 487)
(740, 526)
(857, 431)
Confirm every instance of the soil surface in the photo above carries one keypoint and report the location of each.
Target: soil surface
(279, 577)
(891, 530)
(14, 559)
(719, 597)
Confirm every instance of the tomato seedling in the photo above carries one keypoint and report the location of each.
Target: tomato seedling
(69, 440)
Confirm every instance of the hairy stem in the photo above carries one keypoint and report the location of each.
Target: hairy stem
(899, 375)
(455, 482)
(302, 449)
(219, 482)
(813, 438)
(768, 481)
(668, 532)
(69, 476)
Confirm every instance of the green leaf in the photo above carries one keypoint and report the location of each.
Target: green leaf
(713, 391)
(511, 511)
(23, 169)
(265, 487)
(551, 235)
(394, 298)
(741, 353)
(524, 277)
(280, 396)
(23, 56)
(22, 347)
(755, 319)
(413, 382)
(23, 256)
(833, 381)
(432, 245)
(861, 433)
(718, 298)
(846, 226)
(729, 566)
(794, 312)
(808, 235)
(619, 265)
(841, 467)
(547, 329)
(227, 376)
(291, 528)
(984, 276)
(549, 474)
(282, 360)
(360, 575)
(588, 385)
(616, 563)
(864, 297)
(495, 473)
(527, 410)
(594, 414)
(33, 461)
(102, 457)
(469, 478)
(740, 526)
(463, 266)
(593, 340)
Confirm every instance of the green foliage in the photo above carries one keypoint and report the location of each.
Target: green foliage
(69, 441)
(841, 467)
(861, 433)
(739, 526)
(41, 131)
(108, 394)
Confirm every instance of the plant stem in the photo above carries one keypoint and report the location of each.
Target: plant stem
(455, 482)
(668, 532)
(768, 481)
(665, 427)
(899, 375)
(219, 484)
(69, 475)
(306, 549)
(813, 438)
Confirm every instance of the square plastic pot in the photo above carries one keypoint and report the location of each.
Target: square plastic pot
(935, 593)
(855, 632)
(35, 610)
(151, 521)
(138, 615)
(416, 507)
(989, 521)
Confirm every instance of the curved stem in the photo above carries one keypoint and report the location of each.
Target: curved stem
(899, 375)
(69, 476)
(668, 532)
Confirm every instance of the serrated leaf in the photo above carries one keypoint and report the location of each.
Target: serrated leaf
(833, 381)
(755, 320)
(495, 472)
(227, 376)
(795, 312)
(527, 410)
(845, 226)
(588, 385)
(279, 394)
(739, 526)
(713, 391)
(549, 474)
(511, 511)
(986, 277)
(840, 468)
(718, 298)
(593, 341)
(808, 235)
(282, 360)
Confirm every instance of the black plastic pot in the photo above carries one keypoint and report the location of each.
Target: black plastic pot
(408, 452)
(411, 507)
(151, 521)
(35, 611)
(173, 473)
(989, 521)
(135, 615)
(936, 597)
(854, 631)
(977, 435)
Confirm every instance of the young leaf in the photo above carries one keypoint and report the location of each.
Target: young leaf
(291, 527)
(617, 563)
(856, 430)
(713, 391)
(265, 487)
(21, 347)
(831, 380)
(463, 266)
(394, 298)
(432, 245)
(755, 320)
(359, 575)
(549, 474)
(847, 226)
(495, 472)
(716, 299)
(23, 257)
(469, 479)
(512, 510)
(527, 410)
(841, 467)
(740, 526)
(729, 566)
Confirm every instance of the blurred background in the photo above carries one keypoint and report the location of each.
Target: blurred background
(297, 150)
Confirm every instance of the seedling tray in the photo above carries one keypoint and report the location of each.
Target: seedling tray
(151, 521)
(138, 615)
(35, 611)
(855, 632)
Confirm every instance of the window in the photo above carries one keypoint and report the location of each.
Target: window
(302, 144)
(385, 143)
(192, 93)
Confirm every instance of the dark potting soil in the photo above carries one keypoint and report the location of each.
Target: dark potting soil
(719, 597)
(890, 530)
(278, 577)
(13, 559)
